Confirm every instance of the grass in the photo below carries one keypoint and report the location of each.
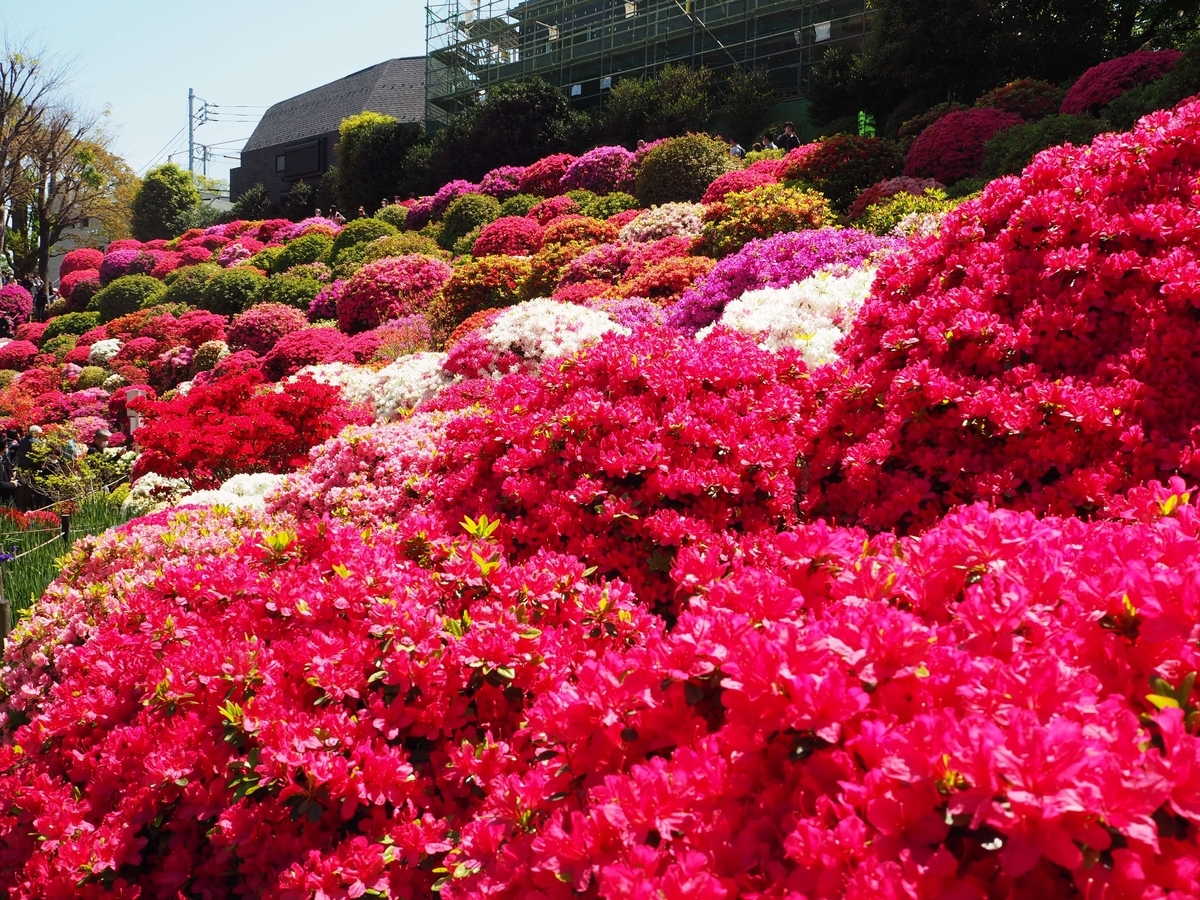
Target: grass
(26, 579)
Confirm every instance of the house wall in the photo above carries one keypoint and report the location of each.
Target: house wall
(259, 167)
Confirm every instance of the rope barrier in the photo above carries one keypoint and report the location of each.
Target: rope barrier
(53, 540)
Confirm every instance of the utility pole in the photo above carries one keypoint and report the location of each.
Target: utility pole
(191, 130)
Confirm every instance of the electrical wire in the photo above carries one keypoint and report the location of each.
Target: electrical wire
(167, 146)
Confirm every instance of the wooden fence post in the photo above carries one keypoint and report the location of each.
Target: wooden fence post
(5, 618)
(66, 527)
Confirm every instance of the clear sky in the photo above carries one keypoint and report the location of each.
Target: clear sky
(140, 57)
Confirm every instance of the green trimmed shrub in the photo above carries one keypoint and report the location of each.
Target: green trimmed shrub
(966, 188)
(186, 285)
(7, 377)
(233, 291)
(609, 205)
(307, 249)
(465, 245)
(127, 294)
(70, 323)
(60, 345)
(1010, 151)
(404, 244)
(519, 205)
(396, 216)
(467, 212)
(360, 231)
(290, 291)
(264, 259)
(681, 169)
(90, 377)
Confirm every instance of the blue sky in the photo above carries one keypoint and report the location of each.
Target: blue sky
(139, 58)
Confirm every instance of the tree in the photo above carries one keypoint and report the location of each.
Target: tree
(165, 203)
(252, 203)
(674, 102)
(370, 152)
(29, 86)
(299, 202)
(745, 100)
(516, 124)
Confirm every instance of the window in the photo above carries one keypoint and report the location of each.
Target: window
(279, 163)
(301, 161)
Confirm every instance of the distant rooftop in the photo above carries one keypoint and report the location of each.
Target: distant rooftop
(395, 88)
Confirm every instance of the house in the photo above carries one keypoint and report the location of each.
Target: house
(296, 138)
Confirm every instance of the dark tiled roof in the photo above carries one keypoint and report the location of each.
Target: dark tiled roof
(395, 88)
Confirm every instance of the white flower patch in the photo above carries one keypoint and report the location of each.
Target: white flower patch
(152, 493)
(812, 315)
(357, 384)
(239, 492)
(667, 220)
(918, 224)
(407, 382)
(102, 352)
(543, 329)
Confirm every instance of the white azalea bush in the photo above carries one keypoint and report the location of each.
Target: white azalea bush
(408, 381)
(247, 491)
(152, 493)
(811, 315)
(521, 337)
(102, 352)
(667, 220)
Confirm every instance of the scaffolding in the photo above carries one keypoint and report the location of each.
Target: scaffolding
(586, 46)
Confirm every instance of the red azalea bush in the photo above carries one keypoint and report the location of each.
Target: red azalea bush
(737, 181)
(890, 187)
(261, 327)
(1103, 83)
(32, 332)
(72, 281)
(390, 289)
(666, 281)
(1026, 97)
(199, 327)
(17, 355)
(642, 446)
(544, 177)
(194, 256)
(1038, 353)
(952, 148)
(509, 236)
(124, 244)
(842, 165)
(80, 260)
(238, 424)
(910, 128)
(308, 347)
(552, 208)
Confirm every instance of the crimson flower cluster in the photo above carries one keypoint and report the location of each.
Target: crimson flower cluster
(1103, 83)
(236, 424)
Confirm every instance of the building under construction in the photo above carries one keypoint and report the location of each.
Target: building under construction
(586, 46)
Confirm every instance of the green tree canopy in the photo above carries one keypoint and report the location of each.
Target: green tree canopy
(165, 203)
(672, 103)
(371, 154)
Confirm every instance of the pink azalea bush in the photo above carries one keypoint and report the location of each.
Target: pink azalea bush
(737, 181)
(601, 170)
(389, 289)
(1103, 83)
(503, 182)
(306, 347)
(16, 306)
(261, 327)
(951, 149)
(117, 263)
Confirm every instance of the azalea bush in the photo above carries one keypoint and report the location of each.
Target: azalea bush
(16, 306)
(776, 262)
(486, 283)
(261, 327)
(1051, 376)
(1026, 97)
(952, 148)
(390, 289)
(602, 170)
(842, 166)
(1103, 83)
(237, 424)
(544, 177)
(509, 236)
(739, 218)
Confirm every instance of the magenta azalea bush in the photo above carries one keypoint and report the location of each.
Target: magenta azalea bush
(1103, 83)
(602, 170)
(544, 177)
(16, 306)
(951, 149)
(389, 289)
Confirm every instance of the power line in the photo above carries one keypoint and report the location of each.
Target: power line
(167, 146)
